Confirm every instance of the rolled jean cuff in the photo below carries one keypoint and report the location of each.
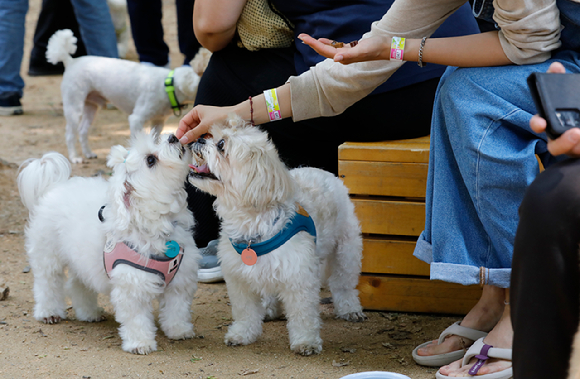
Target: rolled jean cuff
(461, 273)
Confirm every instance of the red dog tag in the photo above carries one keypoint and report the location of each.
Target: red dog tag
(249, 256)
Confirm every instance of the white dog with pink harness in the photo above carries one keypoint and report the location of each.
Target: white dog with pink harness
(136, 248)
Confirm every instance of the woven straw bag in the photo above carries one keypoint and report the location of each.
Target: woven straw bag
(262, 26)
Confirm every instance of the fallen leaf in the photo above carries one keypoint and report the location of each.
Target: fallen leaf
(339, 364)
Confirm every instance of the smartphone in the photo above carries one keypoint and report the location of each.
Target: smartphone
(557, 99)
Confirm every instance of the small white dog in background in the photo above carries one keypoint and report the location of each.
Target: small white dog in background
(118, 9)
(90, 82)
(257, 196)
(145, 206)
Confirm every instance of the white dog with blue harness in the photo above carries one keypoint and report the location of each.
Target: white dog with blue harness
(283, 235)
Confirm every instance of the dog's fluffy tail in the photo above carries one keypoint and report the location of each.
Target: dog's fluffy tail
(61, 46)
(37, 176)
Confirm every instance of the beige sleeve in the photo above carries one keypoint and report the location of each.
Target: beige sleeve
(329, 88)
(530, 29)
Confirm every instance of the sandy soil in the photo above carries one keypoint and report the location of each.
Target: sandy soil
(73, 349)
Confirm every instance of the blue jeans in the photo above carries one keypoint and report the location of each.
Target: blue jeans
(95, 24)
(482, 159)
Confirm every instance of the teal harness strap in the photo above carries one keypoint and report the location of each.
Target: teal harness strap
(170, 89)
(300, 222)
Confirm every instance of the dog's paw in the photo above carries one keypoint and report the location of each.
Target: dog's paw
(307, 349)
(93, 315)
(234, 338)
(51, 319)
(94, 319)
(91, 155)
(142, 349)
(354, 317)
(76, 160)
(273, 314)
(180, 332)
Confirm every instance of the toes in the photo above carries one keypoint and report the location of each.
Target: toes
(52, 320)
(426, 350)
(354, 317)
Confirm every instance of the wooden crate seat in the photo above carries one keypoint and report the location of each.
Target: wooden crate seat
(387, 183)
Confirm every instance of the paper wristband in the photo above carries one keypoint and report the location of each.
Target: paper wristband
(397, 48)
(272, 105)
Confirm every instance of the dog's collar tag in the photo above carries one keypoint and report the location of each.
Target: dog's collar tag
(249, 256)
(172, 249)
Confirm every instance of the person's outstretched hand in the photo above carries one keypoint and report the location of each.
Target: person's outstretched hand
(569, 142)
(369, 49)
(197, 122)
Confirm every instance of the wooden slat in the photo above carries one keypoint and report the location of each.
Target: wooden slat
(411, 150)
(402, 294)
(384, 178)
(391, 256)
(402, 218)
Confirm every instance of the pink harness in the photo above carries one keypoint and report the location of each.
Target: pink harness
(123, 254)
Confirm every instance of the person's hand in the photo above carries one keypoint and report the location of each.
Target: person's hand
(368, 49)
(569, 142)
(197, 122)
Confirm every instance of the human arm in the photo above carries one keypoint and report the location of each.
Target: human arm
(530, 31)
(200, 118)
(214, 22)
(476, 50)
(569, 142)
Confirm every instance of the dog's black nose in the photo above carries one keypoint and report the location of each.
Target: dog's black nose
(173, 139)
(201, 141)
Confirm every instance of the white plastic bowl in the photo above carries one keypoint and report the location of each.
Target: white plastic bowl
(375, 375)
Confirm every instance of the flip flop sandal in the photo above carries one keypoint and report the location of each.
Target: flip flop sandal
(446, 358)
(482, 352)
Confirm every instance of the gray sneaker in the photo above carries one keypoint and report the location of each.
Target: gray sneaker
(209, 268)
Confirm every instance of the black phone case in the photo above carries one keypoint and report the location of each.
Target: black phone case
(557, 99)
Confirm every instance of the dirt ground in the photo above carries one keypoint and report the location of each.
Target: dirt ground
(73, 349)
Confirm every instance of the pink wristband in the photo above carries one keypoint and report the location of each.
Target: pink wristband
(397, 48)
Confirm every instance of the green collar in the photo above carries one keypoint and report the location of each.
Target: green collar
(170, 89)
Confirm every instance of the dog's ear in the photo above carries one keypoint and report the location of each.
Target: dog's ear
(187, 81)
(268, 180)
(118, 155)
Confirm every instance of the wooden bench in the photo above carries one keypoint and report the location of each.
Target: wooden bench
(387, 182)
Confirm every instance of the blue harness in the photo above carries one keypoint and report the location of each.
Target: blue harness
(300, 222)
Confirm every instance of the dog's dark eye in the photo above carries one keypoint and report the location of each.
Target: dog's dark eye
(220, 145)
(151, 160)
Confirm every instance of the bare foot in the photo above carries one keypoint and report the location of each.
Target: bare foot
(501, 336)
(483, 316)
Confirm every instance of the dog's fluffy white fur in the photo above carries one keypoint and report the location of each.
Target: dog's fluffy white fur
(90, 82)
(256, 195)
(145, 206)
(118, 9)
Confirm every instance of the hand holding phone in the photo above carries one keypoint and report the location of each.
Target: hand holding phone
(557, 99)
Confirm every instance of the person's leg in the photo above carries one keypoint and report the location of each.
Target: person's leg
(54, 15)
(188, 44)
(147, 31)
(96, 27)
(545, 286)
(12, 19)
(482, 159)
